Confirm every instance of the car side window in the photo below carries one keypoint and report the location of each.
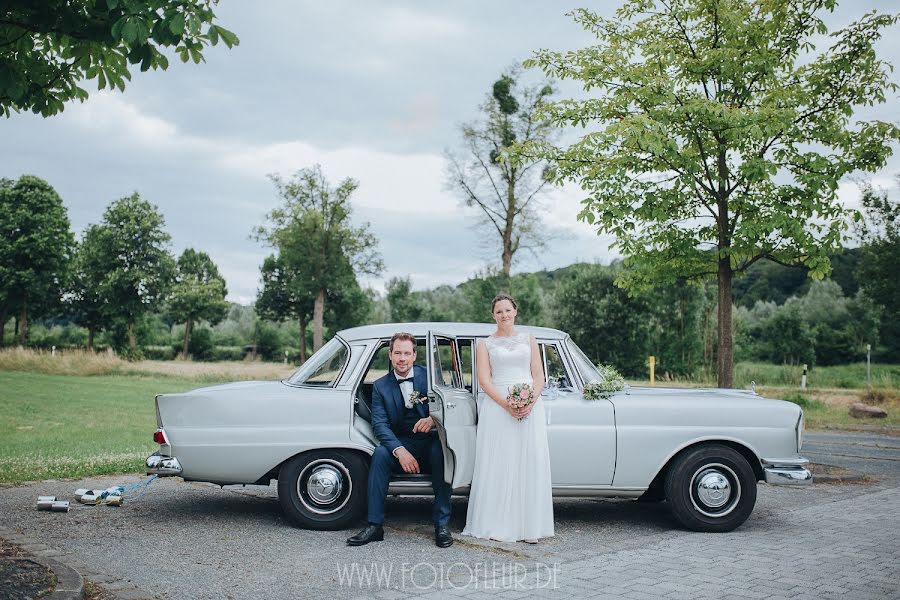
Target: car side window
(555, 366)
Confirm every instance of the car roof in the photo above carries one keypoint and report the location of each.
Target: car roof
(386, 330)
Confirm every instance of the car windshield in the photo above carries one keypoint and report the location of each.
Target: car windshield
(323, 367)
(589, 372)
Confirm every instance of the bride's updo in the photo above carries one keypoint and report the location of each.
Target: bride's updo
(502, 296)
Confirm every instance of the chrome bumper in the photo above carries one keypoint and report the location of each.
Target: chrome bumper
(788, 471)
(164, 466)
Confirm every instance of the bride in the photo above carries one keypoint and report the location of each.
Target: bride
(511, 498)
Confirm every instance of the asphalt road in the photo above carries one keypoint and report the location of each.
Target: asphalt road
(868, 453)
(192, 540)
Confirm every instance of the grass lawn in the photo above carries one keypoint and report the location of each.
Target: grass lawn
(55, 426)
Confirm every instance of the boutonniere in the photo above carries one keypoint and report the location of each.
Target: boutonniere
(415, 398)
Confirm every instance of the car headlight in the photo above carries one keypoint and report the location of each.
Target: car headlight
(800, 432)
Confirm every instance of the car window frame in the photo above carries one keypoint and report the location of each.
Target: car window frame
(564, 359)
(337, 380)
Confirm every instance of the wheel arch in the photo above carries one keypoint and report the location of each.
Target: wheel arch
(363, 452)
(656, 487)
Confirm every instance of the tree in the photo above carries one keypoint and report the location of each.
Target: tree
(35, 249)
(198, 293)
(315, 238)
(285, 294)
(134, 263)
(403, 305)
(84, 300)
(506, 193)
(608, 324)
(721, 136)
(48, 48)
(879, 233)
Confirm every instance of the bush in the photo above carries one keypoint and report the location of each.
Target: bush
(226, 353)
(159, 352)
(200, 345)
(804, 402)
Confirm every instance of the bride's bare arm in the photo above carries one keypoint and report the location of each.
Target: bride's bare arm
(483, 364)
(537, 369)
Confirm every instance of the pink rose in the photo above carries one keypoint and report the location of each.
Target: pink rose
(523, 394)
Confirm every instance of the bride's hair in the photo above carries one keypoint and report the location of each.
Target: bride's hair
(502, 296)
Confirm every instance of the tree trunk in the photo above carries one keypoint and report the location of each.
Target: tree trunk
(725, 374)
(131, 341)
(187, 339)
(23, 323)
(510, 222)
(725, 353)
(302, 340)
(318, 317)
(91, 338)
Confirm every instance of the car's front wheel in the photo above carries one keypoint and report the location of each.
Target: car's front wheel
(323, 489)
(711, 488)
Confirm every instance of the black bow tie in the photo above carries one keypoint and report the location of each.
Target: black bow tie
(404, 380)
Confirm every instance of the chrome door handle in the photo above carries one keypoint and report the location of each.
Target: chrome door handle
(450, 405)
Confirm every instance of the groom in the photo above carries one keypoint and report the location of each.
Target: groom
(408, 441)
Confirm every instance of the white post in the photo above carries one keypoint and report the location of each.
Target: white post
(869, 365)
(285, 357)
(803, 379)
(52, 350)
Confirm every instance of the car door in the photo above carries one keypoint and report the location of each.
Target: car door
(453, 408)
(581, 433)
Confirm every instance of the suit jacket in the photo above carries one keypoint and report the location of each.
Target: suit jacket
(388, 407)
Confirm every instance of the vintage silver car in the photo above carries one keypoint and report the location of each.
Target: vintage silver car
(701, 450)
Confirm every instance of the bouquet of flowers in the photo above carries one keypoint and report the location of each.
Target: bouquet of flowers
(415, 398)
(520, 395)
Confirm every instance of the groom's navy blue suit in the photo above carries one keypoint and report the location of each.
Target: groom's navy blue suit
(392, 423)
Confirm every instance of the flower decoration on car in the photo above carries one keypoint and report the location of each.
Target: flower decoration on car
(611, 381)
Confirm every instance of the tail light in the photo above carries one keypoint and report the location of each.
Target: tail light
(160, 437)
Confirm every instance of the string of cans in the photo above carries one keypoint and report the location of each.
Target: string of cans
(112, 496)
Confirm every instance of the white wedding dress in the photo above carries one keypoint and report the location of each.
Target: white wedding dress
(511, 497)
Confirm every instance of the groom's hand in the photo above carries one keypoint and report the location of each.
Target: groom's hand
(408, 462)
(423, 425)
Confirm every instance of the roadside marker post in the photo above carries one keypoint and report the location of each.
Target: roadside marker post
(652, 370)
(803, 379)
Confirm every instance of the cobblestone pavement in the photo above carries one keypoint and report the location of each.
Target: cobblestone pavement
(189, 540)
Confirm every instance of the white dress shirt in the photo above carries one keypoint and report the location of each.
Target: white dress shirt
(406, 389)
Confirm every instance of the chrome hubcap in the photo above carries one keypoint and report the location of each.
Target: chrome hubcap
(715, 490)
(324, 486)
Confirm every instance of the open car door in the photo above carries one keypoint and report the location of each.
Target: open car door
(453, 409)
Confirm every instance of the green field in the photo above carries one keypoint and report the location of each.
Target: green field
(65, 426)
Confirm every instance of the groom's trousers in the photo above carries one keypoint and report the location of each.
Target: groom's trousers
(427, 451)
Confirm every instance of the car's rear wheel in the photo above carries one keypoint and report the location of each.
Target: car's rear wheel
(323, 489)
(711, 488)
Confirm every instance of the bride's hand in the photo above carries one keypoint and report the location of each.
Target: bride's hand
(526, 410)
(515, 412)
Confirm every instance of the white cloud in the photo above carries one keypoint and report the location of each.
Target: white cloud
(411, 183)
(108, 113)
(400, 26)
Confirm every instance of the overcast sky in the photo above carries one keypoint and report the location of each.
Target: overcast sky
(371, 90)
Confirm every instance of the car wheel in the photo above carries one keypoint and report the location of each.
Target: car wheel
(324, 489)
(711, 488)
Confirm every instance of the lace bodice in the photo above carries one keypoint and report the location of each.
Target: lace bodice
(510, 358)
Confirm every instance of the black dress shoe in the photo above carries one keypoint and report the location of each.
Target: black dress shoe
(442, 537)
(371, 533)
